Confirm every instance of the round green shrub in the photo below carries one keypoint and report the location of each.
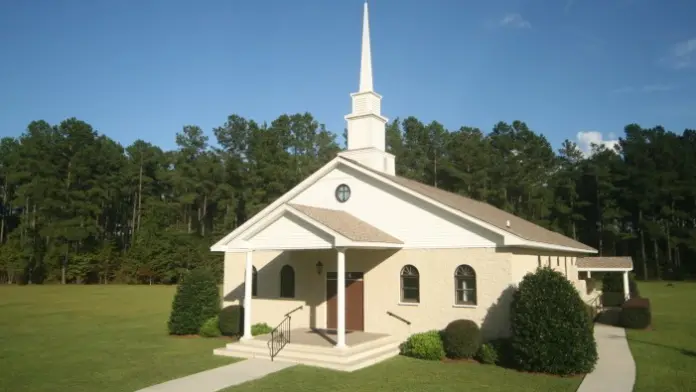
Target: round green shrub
(197, 299)
(210, 328)
(231, 320)
(487, 354)
(551, 330)
(462, 339)
(260, 329)
(424, 345)
(635, 313)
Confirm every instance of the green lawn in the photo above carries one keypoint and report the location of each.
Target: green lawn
(93, 338)
(666, 356)
(406, 374)
(113, 338)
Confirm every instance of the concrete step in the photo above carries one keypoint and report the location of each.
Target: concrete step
(348, 359)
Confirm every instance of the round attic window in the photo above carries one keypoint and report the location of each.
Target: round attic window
(342, 193)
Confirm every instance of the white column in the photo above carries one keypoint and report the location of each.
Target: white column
(625, 285)
(341, 291)
(589, 274)
(247, 295)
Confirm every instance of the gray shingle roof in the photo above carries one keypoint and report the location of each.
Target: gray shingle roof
(485, 212)
(346, 224)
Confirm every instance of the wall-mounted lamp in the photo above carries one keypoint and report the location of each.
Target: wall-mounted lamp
(320, 267)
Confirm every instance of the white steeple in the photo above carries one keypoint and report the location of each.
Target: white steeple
(366, 55)
(366, 125)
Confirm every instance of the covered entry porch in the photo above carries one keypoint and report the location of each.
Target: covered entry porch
(620, 265)
(316, 289)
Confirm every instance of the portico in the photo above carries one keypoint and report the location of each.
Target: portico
(304, 228)
(622, 265)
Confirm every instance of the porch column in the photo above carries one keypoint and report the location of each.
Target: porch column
(247, 296)
(625, 285)
(341, 291)
(589, 274)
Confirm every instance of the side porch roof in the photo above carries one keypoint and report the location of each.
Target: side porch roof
(296, 226)
(605, 263)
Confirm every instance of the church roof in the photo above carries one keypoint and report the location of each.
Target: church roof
(346, 224)
(604, 262)
(485, 212)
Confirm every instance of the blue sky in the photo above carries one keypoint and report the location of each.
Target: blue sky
(143, 69)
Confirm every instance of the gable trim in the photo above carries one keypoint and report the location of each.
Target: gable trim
(221, 245)
(509, 239)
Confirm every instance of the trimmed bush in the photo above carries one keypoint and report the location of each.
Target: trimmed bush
(551, 329)
(612, 288)
(462, 339)
(487, 354)
(260, 329)
(503, 350)
(231, 320)
(210, 328)
(197, 299)
(424, 345)
(635, 313)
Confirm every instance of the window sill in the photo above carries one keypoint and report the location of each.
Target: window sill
(408, 304)
(464, 306)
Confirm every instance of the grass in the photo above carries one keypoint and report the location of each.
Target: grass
(666, 355)
(94, 338)
(407, 374)
(113, 338)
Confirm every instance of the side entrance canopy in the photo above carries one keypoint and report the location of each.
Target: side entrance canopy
(607, 264)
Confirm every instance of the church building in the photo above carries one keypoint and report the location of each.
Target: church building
(354, 259)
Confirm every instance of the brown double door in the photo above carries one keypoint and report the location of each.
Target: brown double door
(355, 294)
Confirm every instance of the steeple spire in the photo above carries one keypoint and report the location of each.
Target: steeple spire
(365, 125)
(366, 56)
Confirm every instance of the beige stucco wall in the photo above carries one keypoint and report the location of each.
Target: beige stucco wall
(381, 270)
(496, 271)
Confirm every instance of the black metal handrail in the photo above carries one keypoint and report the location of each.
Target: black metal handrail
(293, 311)
(399, 317)
(280, 336)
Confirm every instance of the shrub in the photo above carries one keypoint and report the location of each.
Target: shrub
(260, 329)
(210, 328)
(196, 300)
(635, 313)
(461, 338)
(487, 354)
(613, 291)
(424, 345)
(503, 350)
(551, 330)
(231, 320)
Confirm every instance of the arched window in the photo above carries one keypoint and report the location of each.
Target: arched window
(410, 286)
(254, 282)
(464, 285)
(287, 282)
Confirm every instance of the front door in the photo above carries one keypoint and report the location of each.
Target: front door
(354, 301)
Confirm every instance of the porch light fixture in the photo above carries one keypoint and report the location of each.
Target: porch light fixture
(320, 267)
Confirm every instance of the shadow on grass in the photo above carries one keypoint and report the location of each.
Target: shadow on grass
(688, 353)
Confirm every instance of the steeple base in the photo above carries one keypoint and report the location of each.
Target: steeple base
(373, 158)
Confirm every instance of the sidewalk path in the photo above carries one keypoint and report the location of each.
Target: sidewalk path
(615, 370)
(221, 377)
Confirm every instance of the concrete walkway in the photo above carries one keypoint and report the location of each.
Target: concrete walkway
(615, 370)
(220, 378)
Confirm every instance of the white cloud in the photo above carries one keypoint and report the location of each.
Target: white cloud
(585, 140)
(648, 88)
(516, 21)
(681, 55)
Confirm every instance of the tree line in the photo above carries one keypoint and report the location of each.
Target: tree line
(78, 207)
